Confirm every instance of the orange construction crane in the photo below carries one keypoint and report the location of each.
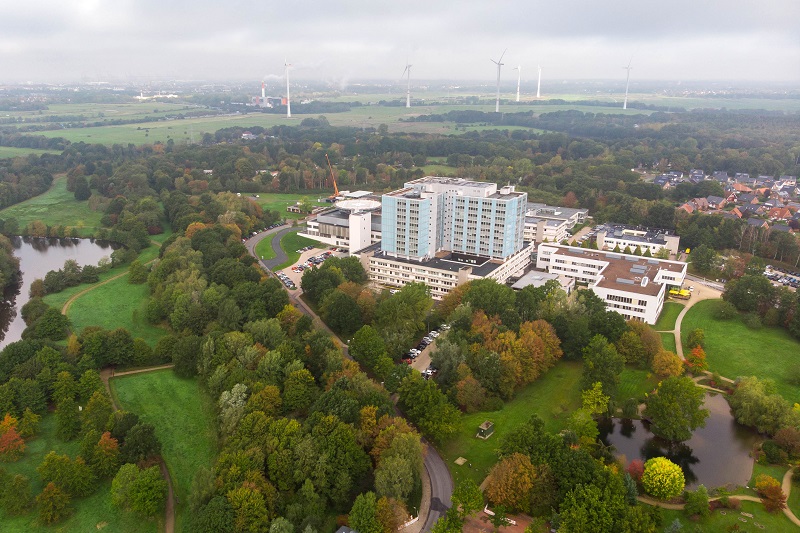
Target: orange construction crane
(335, 188)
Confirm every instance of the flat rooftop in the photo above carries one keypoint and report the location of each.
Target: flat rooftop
(621, 231)
(449, 262)
(457, 182)
(625, 272)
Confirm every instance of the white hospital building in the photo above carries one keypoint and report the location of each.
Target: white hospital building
(633, 286)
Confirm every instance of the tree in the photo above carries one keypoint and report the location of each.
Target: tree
(97, 413)
(704, 258)
(510, 482)
(367, 346)
(631, 347)
(140, 443)
(490, 297)
(697, 502)
(594, 401)
(137, 272)
(467, 498)
(750, 293)
(141, 491)
(105, 456)
(53, 504)
(675, 409)
(299, 390)
(363, 515)
(697, 337)
(601, 363)
(11, 445)
(391, 513)
(82, 191)
(68, 422)
(28, 424)
(341, 312)
(16, 495)
(394, 478)
(662, 478)
(667, 364)
(696, 360)
(772, 496)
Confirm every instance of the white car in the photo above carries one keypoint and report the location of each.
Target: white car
(433, 334)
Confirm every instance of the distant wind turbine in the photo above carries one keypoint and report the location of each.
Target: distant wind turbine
(627, 81)
(286, 66)
(518, 68)
(539, 84)
(408, 87)
(499, 64)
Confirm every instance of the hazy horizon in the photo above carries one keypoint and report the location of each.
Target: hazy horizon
(714, 41)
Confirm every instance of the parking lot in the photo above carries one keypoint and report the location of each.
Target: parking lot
(419, 356)
(780, 276)
(295, 275)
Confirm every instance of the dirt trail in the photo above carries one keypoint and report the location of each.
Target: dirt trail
(106, 374)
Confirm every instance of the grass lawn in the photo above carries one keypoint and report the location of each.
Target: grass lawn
(794, 498)
(88, 512)
(733, 349)
(10, 151)
(58, 299)
(666, 322)
(56, 207)
(116, 304)
(264, 248)
(181, 415)
(291, 242)
(280, 201)
(668, 342)
(634, 383)
(719, 522)
(552, 397)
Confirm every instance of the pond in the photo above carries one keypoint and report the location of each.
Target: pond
(38, 256)
(716, 455)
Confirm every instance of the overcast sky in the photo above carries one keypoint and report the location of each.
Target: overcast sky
(48, 40)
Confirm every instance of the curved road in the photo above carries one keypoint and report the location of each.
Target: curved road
(441, 483)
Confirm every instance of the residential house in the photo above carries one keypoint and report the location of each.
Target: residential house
(741, 177)
(740, 187)
(789, 180)
(748, 198)
(757, 223)
(696, 175)
(751, 210)
(779, 213)
(720, 176)
(715, 202)
(781, 227)
(664, 181)
(689, 207)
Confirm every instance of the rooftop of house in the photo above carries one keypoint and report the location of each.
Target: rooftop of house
(635, 233)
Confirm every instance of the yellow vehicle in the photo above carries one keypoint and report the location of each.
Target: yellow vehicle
(680, 294)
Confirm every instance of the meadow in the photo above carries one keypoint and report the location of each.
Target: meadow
(274, 201)
(290, 243)
(552, 397)
(669, 315)
(10, 151)
(94, 512)
(182, 416)
(116, 304)
(56, 207)
(733, 349)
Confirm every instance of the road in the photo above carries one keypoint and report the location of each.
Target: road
(441, 484)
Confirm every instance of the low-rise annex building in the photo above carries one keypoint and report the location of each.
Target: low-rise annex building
(633, 286)
(609, 236)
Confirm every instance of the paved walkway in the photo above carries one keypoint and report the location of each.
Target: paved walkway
(786, 486)
(701, 292)
(106, 374)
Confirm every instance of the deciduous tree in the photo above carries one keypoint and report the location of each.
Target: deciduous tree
(53, 504)
(675, 409)
(662, 478)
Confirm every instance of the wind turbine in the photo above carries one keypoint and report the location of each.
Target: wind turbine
(408, 88)
(286, 66)
(518, 68)
(539, 83)
(627, 81)
(499, 64)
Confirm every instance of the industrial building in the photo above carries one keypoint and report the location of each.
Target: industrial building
(546, 223)
(353, 224)
(635, 287)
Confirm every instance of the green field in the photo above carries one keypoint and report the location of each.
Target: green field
(291, 242)
(794, 498)
(116, 304)
(58, 299)
(56, 207)
(274, 201)
(181, 414)
(668, 342)
(10, 151)
(552, 397)
(634, 383)
(264, 248)
(90, 512)
(666, 321)
(733, 349)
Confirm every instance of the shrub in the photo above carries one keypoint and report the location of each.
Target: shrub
(772, 495)
(630, 408)
(636, 469)
(667, 364)
(789, 440)
(752, 321)
(662, 478)
(773, 452)
(725, 311)
(697, 502)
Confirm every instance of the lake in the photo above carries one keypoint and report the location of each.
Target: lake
(38, 256)
(716, 455)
